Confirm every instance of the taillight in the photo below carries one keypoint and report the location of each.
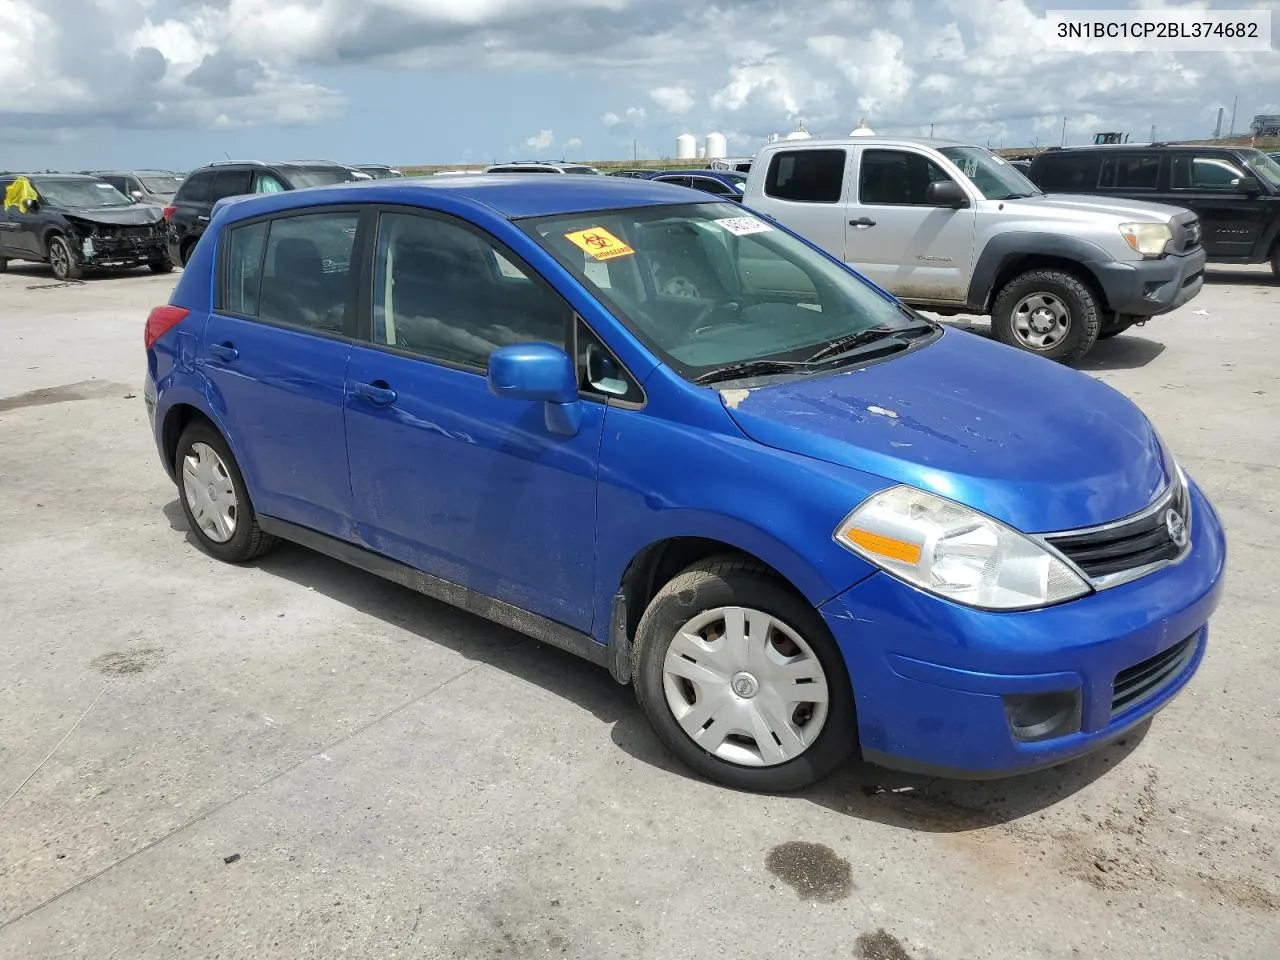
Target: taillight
(169, 212)
(161, 320)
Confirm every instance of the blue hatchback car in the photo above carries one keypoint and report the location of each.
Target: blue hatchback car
(678, 440)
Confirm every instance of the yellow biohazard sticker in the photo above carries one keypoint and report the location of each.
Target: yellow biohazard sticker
(598, 243)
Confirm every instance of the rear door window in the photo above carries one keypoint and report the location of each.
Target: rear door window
(1130, 172)
(294, 270)
(806, 176)
(1066, 172)
(198, 188)
(231, 183)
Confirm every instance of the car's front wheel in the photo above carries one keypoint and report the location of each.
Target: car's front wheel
(161, 265)
(214, 497)
(1047, 312)
(62, 260)
(742, 680)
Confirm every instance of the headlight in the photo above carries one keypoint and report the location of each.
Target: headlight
(953, 551)
(1148, 239)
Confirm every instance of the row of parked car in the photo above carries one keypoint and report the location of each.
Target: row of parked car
(126, 218)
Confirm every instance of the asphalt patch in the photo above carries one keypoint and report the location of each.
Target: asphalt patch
(879, 946)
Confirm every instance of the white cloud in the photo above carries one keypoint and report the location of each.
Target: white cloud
(541, 140)
(632, 116)
(677, 100)
(573, 143)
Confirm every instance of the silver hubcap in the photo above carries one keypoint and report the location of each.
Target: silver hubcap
(745, 687)
(1041, 321)
(211, 496)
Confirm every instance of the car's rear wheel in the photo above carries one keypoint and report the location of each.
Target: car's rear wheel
(161, 265)
(741, 678)
(214, 497)
(62, 261)
(185, 251)
(1275, 261)
(4, 265)
(1047, 312)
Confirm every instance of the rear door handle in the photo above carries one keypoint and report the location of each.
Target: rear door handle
(224, 351)
(378, 393)
(862, 222)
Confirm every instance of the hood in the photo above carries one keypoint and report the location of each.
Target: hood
(1020, 438)
(138, 214)
(1081, 207)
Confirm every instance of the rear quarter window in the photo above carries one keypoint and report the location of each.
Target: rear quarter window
(1130, 172)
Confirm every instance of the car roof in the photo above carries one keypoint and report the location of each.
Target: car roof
(37, 177)
(138, 172)
(1121, 147)
(512, 196)
(699, 172)
(860, 141)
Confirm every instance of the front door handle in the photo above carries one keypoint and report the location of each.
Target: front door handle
(224, 351)
(202, 219)
(862, 222)
(377, 393)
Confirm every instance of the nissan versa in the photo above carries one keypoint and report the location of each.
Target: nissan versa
(674, 438)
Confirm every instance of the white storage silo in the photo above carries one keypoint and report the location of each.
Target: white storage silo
(686, 147)
(717, 148)
(862, 130)
(799, 133)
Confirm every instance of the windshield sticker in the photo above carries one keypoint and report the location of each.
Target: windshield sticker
(743, 226)
(598, 243)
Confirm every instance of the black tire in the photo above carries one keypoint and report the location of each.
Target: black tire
(62, 259)
(4, 265)
(728, 581)
(248, 541)
(185, 251)
(163, 265)
(1084, 316)
(1275, 262)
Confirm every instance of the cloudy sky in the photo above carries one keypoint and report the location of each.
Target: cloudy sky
(176, 83)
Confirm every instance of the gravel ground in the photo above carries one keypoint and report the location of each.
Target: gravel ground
(298, 759)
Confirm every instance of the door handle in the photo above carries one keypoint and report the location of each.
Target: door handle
(377, 393)
(862, 222)
(224, 351)
(202, 219)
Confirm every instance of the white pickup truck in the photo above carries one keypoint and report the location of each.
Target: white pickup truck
(952, 228)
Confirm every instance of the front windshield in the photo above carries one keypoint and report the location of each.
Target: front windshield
(302, 177)
(164, 185)
(993, 176)
(707, 288)
(1264, 166)
(81, 194)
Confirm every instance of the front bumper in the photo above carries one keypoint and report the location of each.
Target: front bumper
(930, 676)
(122, 251)
(1146, 288)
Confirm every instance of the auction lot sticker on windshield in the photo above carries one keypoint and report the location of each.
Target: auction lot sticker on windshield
(598, 243)
(743, 226)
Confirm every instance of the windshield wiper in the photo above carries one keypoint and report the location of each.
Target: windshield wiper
(865, 337)
(750, 368)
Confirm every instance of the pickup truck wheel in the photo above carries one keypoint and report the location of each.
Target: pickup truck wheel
(741, 679)
(4, 265)
(62, 261)
(1049, 313)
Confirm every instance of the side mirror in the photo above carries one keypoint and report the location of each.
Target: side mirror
(1249, 186)
(539, 372)
(30, 206)
(137, 195)
(945, 193)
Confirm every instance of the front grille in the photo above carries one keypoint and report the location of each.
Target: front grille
(1145, 680)
(1129, 545)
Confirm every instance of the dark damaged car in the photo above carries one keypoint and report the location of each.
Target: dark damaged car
(78, 223)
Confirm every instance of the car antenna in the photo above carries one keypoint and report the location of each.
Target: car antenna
(227, 155)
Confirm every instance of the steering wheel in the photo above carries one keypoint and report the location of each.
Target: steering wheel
(700, 325)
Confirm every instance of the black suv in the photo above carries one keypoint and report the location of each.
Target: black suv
(192, 205)
(75, 223)
(1234, 190)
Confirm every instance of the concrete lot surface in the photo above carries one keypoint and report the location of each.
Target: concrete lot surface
(296, 759)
